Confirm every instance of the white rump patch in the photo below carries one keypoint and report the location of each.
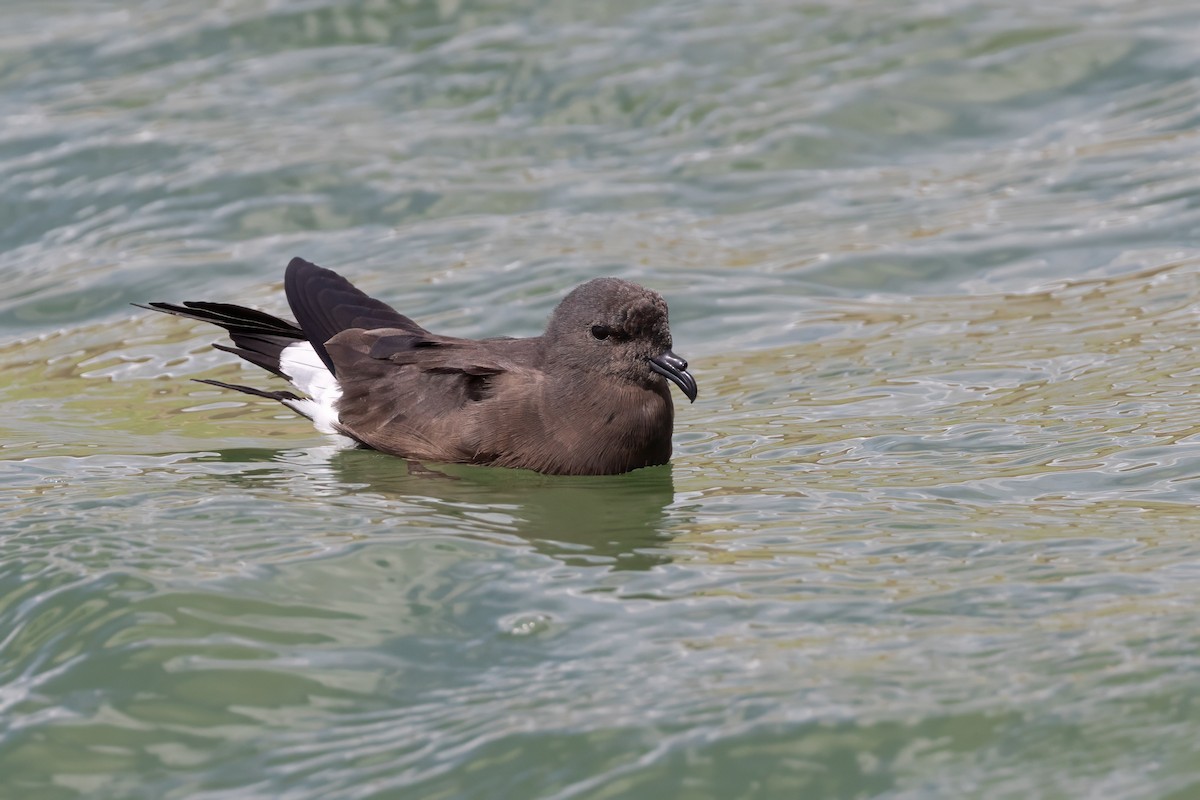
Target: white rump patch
(304, 368)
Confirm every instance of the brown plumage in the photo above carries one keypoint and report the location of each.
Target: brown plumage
(587, 397)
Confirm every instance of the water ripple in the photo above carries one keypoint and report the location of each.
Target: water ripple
(927, 531)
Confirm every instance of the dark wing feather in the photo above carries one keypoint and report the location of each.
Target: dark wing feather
(418, 394)
(442, 355)
(262, 351)
(280, 396)
(235, 319)
(258, 337)
(240, 316)
(325, 304)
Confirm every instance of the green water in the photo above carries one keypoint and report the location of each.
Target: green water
(930, 530)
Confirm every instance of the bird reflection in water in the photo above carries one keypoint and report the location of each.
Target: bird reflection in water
(619, 520)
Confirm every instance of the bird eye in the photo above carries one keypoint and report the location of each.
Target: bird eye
(600, 332)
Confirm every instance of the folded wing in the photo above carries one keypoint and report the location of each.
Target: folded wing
(431, 396)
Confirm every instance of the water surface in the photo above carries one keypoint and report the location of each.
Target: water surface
(929, 530)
